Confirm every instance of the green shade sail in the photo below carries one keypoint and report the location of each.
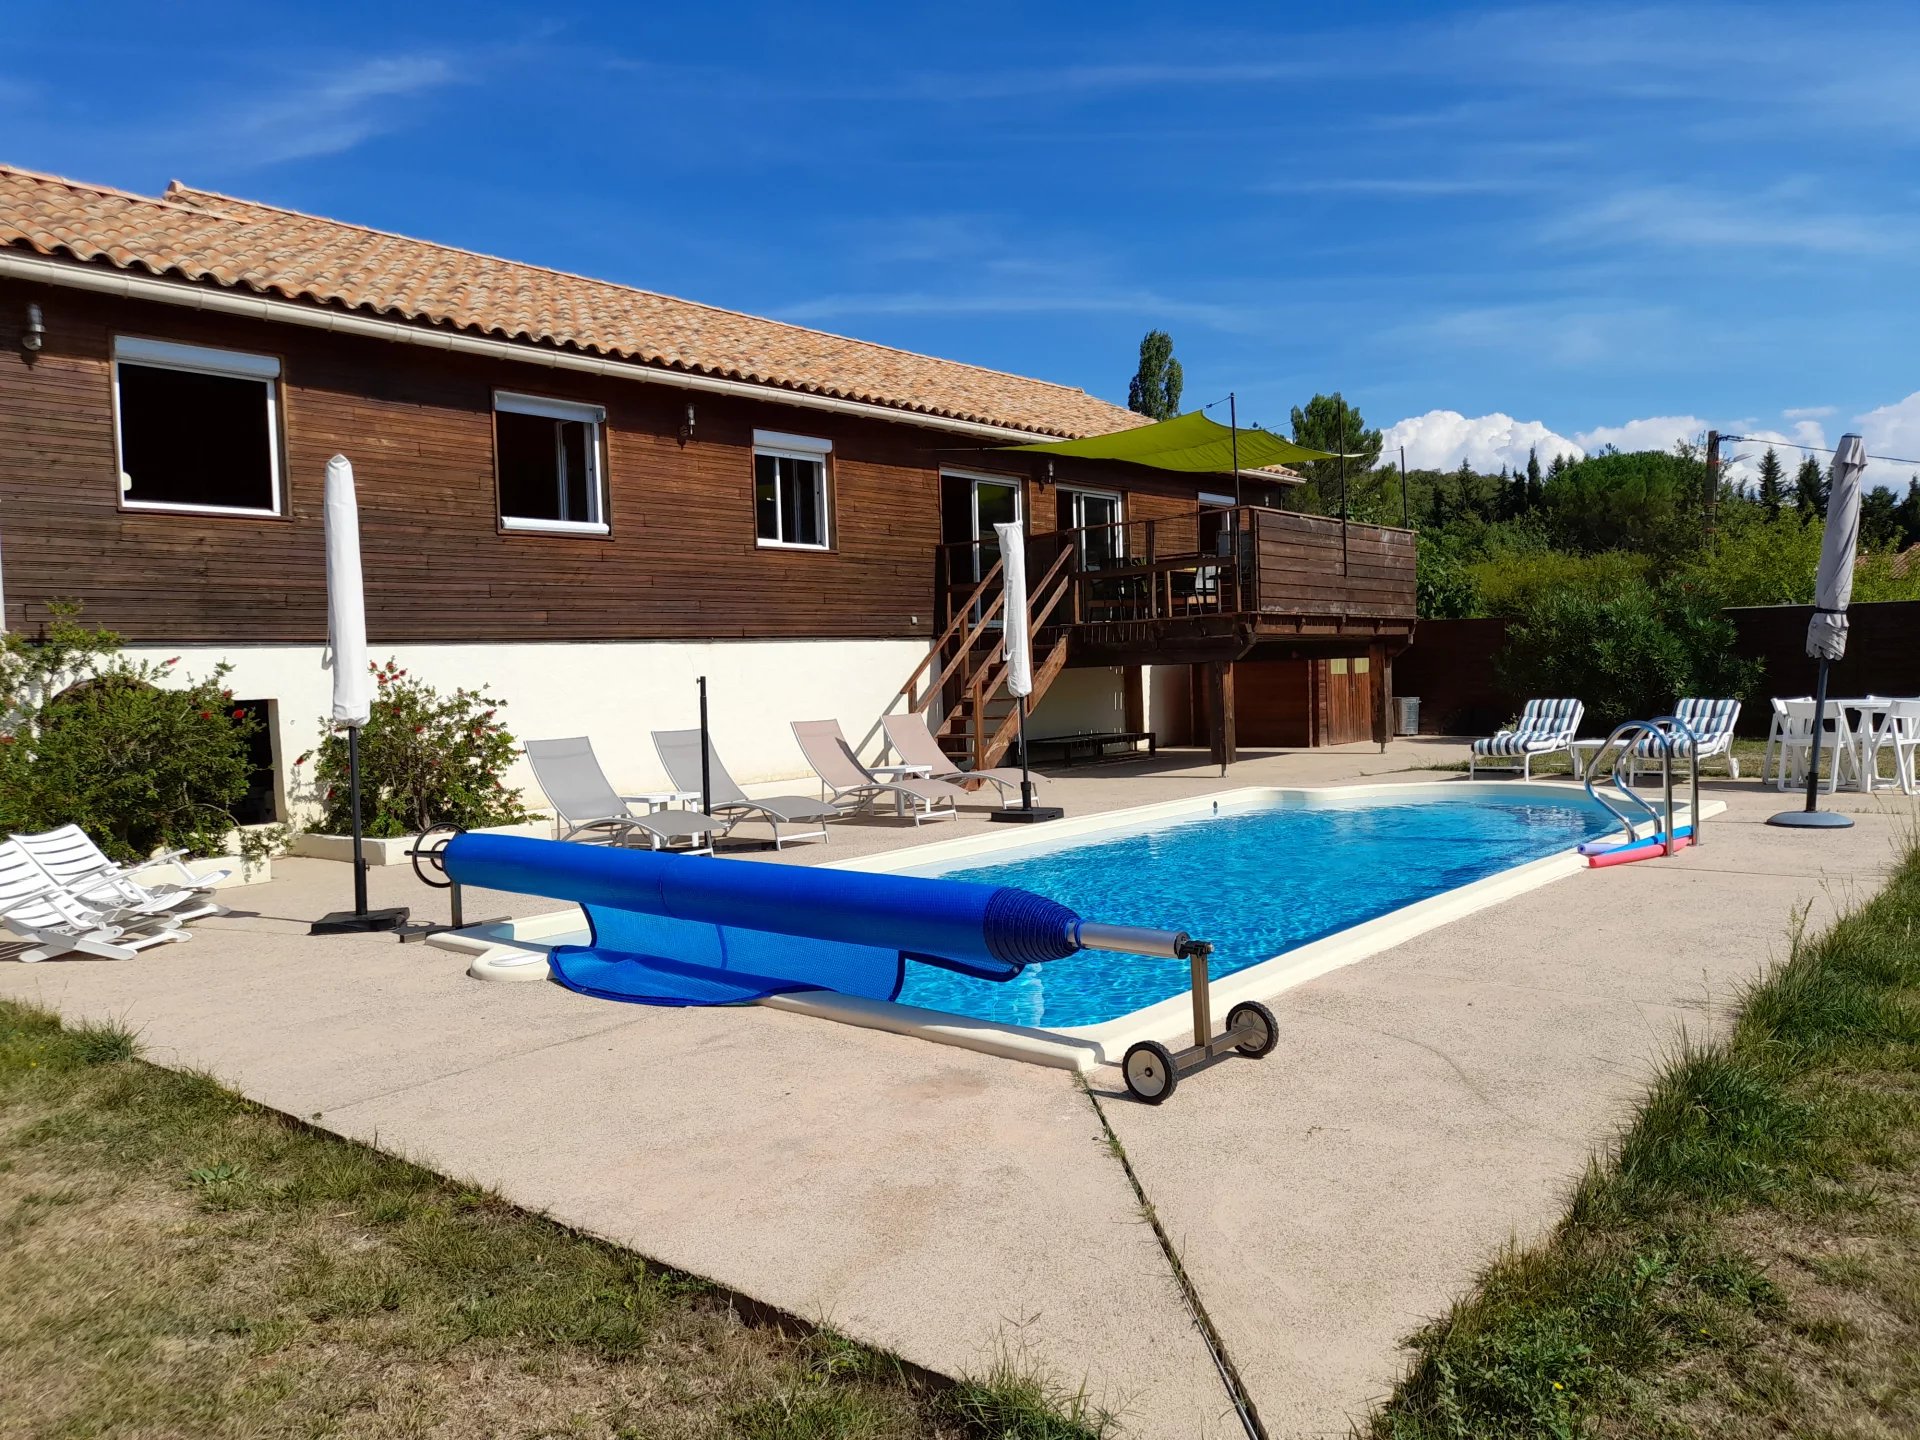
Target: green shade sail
(1191, 443)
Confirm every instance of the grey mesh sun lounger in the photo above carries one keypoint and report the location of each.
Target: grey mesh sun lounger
(915, 745)
(854, 787)
(586, 802)
(680, 754)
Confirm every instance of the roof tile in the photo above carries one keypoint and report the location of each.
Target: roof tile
(202, 236)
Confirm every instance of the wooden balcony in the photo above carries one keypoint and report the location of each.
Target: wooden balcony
(1212, 585)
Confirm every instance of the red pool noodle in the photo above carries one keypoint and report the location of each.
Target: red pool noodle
(1626, 854)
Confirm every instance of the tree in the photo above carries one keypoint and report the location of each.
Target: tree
(1809, 491)
(1558, 467)
(1155, 387)
(1772, 487)
(1535, 489)
(1329, 423)
(1910, 514)
(1879, 519)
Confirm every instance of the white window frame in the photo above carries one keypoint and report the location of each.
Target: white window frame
(1118, 524)
(199, 360)
(805, 448)
(514, 402)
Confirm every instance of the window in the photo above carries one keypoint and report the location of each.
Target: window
(548, 456)
(197, 429)
(790, 490)
(1095, 514)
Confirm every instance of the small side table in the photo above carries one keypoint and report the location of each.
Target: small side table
(900, 772)
(662, 799)
(1584, 753)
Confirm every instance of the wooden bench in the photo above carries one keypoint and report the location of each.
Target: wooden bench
(1092, 745)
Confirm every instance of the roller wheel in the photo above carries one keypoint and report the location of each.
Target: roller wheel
(429, 855)
(1255, 1023)
(1149, 1071)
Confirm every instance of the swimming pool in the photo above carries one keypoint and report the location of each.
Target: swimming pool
(1289, 884)
(1265, 875)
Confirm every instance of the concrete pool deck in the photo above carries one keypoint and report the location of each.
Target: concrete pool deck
(1424, 1106)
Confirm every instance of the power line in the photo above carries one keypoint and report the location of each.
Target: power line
(1822, 449)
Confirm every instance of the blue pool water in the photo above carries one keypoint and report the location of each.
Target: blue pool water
(1255, 881)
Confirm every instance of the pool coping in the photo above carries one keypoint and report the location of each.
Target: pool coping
(1080, 1048)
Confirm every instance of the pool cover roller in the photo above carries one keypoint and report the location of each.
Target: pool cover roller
(682, 930)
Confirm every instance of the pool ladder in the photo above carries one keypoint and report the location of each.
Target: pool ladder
(1662, 731)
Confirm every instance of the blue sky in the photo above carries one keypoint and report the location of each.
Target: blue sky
(1609, 223)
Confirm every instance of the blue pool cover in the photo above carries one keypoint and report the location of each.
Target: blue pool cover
(681, 930)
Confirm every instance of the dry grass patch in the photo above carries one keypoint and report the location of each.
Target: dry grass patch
(178, 1262)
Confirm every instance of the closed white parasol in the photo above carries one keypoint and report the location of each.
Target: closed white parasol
(346, 599)
(1017, 645)
(352, 690)
(1827, 630)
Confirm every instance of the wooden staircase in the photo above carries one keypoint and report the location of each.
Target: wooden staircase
(961, 684)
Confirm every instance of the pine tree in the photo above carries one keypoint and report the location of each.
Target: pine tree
(1156, 385)
(1536, 490)
(1558, 467)
(1772, 489)
(1809, 491)
(1909, 514)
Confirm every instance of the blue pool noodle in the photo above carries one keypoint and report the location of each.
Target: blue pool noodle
(682, 930)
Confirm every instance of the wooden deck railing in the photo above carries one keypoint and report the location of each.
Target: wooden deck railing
(1243, 560)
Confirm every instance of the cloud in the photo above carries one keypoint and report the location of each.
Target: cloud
(1892, 430)
(1685, 219)
(326, 115)
(1657, 432)
(1400, 186)
(1441, 439)
(1153, 307)
(1809, 412)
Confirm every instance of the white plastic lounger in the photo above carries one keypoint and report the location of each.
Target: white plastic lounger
(1711, 724)
(73, 861)
(680, 755)
(53, 922)
(854, 787)
(1544, 726)
(914, 744)
(578, 789)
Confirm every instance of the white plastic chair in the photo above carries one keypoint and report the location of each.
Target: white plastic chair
(1899, 732)
(1796, 744)
(1775, 730)
(53, 922)
(72, 860)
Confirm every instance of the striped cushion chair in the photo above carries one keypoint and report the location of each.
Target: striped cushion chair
(1711, 722)
(1544, 725)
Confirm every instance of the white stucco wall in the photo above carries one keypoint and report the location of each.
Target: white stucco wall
(1081, 700)
(615, 692)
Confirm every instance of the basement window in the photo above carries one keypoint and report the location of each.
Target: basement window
(196, 429)
(790, 505)
(548, 456)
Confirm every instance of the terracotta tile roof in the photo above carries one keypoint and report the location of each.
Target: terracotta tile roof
(239, 244)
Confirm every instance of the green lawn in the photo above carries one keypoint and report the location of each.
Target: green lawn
(178, 1262)
(1745, 1261)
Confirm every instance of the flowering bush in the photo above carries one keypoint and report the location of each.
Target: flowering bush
(117, 746)
(425, 759)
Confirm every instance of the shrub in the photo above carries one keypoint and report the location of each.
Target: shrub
(1628, 654)
(425, 759)
(1512, 584)
(121, 748)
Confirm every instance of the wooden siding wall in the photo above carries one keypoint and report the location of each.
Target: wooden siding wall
(1299, 567)
(681, 561)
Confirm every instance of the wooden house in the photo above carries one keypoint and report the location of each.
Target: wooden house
(582, 495)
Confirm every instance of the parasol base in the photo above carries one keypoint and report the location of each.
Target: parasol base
(1811, 820)
(347, 922)
(1027, 814)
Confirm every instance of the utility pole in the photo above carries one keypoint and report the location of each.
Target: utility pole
(1711, 501)
(1403, 487)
